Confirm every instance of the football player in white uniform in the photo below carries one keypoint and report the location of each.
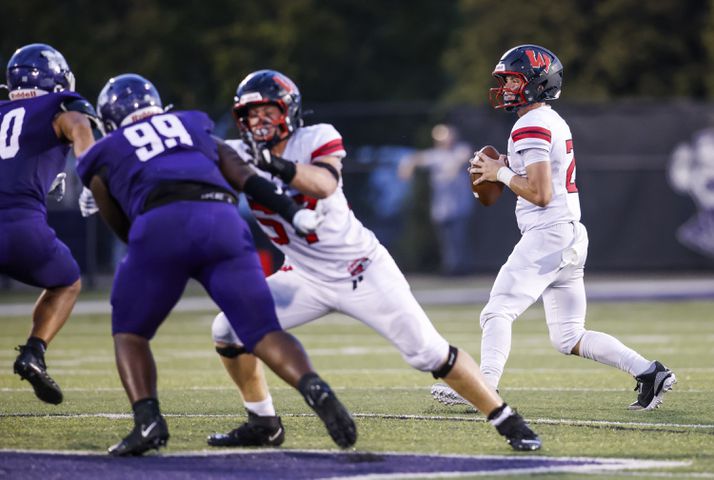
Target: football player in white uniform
(549, 259)
(342, 267)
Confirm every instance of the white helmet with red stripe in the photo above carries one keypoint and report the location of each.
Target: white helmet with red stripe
(540, 71)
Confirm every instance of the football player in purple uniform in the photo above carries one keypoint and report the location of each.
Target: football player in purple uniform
(166, 187)
(42, 118)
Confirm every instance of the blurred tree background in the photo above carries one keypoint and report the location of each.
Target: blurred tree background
(384, 72)
(356, 51)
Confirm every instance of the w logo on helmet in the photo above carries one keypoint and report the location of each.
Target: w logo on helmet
(538, 60)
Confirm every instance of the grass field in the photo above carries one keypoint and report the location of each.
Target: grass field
(577, 406)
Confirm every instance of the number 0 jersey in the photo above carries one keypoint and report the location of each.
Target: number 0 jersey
(342, 247)
(544, 129)
(136, 158)
(31, 155)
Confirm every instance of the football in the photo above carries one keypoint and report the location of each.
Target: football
(487, 192)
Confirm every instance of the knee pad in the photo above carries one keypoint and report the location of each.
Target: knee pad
(429, 356)
(222, 331)
(448, 365)
(488, 315)
(564, 339)
(230, 351)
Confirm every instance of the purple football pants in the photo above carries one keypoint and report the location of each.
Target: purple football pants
(207, 241)
(31, 253)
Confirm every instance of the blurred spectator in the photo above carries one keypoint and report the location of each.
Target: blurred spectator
(452, 202)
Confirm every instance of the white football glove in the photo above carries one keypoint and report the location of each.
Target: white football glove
(87, 204)
(306, 221)
(58, 187)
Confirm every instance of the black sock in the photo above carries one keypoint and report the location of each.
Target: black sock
(37, 344)
(145, 410)
(306, 380)
(496, 412)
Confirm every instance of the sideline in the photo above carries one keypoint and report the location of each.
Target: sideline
(434, 290)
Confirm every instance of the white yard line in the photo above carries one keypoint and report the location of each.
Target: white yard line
(450, 418)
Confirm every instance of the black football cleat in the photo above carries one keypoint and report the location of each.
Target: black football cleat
(652, 386)
(518, 435)
(320, 397)
(153, 433)
(30, 365)
(256, 432)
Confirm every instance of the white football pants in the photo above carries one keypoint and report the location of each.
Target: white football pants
(546, 262)
(382, 300)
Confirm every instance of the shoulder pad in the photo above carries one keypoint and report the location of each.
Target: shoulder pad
(84, 107)
(78, 105)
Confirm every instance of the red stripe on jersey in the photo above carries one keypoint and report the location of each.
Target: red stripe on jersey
(258, 207)
(531, 132)
(328, 148)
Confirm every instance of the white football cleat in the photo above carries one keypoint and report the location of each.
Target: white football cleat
(447, 395)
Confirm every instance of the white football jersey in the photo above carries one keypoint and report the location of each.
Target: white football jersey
(543, 128)
(342, 247)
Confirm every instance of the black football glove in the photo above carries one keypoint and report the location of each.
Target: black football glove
(264, 160)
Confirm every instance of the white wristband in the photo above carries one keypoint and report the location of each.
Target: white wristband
(504, 175)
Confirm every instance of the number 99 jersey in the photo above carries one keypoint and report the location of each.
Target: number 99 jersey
(135, 159)
(341, 241)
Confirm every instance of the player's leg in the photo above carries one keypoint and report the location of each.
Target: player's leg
(35, 256)
(565, 308)
(238, 286)
(565, 305)
(519, 283)
(384, 302)
(297, 301)
(147, 285)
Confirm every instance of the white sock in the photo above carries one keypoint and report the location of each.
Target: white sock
(264, 408)
(608, 350)
(495, 348)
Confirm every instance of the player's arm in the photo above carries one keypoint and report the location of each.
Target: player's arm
(75, 128)
(536, 186)
(318, 179)
(109, 209)
(242, 176)
(79, 124)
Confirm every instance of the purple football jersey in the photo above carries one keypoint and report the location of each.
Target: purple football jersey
(31, 155)
(135, 159)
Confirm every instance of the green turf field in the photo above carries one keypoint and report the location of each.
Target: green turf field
(577, 406)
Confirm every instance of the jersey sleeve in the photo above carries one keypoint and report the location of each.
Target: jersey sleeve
(327, 142)
(525, 137)
(87, 163)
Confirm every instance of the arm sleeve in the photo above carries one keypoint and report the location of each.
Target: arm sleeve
(265, 193)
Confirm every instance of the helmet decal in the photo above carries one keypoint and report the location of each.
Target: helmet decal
(538, 60)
